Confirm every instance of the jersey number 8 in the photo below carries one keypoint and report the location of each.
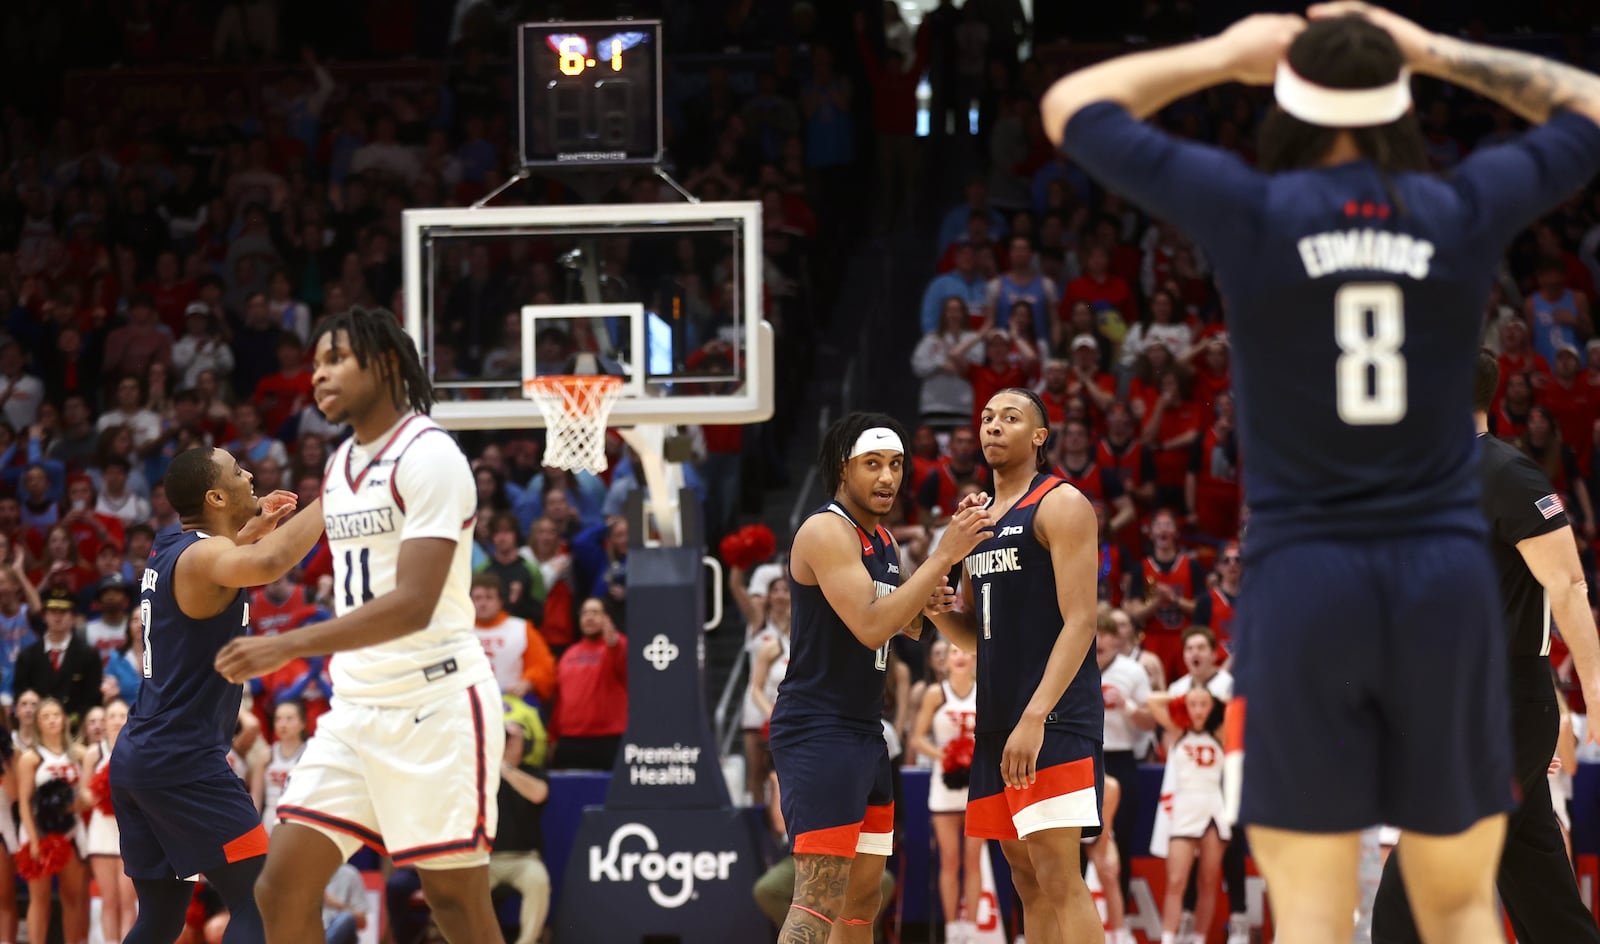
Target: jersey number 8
(1369, 325)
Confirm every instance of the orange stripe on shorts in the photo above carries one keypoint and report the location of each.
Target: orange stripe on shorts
(248, 846)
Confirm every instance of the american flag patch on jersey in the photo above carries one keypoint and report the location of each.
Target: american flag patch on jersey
(1550, 506)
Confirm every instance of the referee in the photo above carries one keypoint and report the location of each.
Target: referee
(1536, 556)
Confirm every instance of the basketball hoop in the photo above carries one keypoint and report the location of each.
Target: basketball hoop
(575, 409)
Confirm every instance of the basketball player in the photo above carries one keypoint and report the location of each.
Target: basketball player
(1536, 556)
(407, 758)
(827, 739)
(1353, 279)
(1038, 766)
(179, 807)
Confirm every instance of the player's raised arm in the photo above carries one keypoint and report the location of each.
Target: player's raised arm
(827, 547)
(1146, 82)
(1532, 86)
(224, 563)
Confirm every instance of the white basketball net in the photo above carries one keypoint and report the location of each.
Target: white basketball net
(575, 409)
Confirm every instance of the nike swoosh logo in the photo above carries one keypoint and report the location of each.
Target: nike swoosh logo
(421, 718)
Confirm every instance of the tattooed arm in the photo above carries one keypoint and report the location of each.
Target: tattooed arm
(1532, 86)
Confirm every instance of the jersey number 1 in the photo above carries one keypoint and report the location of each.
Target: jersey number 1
(353, 559)
(1369, 324)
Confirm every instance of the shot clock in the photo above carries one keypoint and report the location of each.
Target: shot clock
(591, 93)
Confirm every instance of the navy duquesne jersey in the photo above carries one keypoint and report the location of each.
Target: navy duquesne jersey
(832, 677)
(181, 726)
(1354, 307)
(1019, 620)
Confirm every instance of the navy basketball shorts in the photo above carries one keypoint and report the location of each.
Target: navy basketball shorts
(836, 792)
(1068, 789)
(182, 830)
(1375, 679)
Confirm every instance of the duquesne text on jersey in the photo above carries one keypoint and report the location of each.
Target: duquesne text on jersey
(360, 524)
(999, 560)
(1364, 250)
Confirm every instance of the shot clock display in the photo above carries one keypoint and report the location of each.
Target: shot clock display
(591, 93)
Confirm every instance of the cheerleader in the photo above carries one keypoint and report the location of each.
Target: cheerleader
(53, 758)
(944, 725)
(771, 660)
(1192, 807)
(268, 780)
(765, 606)
(118, 903)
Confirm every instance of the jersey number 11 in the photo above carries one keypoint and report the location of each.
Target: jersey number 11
(1370, 326)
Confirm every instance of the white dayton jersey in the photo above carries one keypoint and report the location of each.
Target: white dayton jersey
(411, 482)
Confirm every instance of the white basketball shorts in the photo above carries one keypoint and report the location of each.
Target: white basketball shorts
(418, 784)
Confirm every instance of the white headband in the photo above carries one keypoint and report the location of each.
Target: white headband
(877, 439)
(1341, 108)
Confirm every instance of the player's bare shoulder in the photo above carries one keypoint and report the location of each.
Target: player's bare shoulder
(821, 537)
(1065, 513)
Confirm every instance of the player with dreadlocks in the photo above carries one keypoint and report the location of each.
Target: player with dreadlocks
(408, 758)
(827, 731)
(1038, 768)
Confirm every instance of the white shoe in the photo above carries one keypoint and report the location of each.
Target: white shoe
(1239, 929)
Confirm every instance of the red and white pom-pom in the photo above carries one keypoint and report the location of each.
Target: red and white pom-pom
(100, 786)
(957, 753)
(55, 850)
(749, 546)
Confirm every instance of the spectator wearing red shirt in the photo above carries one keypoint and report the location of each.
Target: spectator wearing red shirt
(1155, 361)
(1212, 372)
(1570, 398)
(283, 394)
(1053, 391)
(1517, 356)
(591, 706)
(170, 293)
(1170, 432)
(1510, 415)
(1075, 461)
(894, 117)
(1121, 449)
(958, 468)
(131, 348)
(1099, 287)
(1000, 368)
(1212, 483)
(1088, 380)
(1216, 607)
(1173, 581)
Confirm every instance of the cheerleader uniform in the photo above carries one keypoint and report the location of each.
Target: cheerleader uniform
(104, 838)
(53, 766)
(751, 717)
(952, 719)
(1196, 763)
(276, 777)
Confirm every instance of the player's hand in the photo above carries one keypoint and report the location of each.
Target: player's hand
(968, 528)
(981, 499)
(1020, 762)
(941, 600)
(251, 656)
(275, 508)
(1412, 39)
(1253, 47)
